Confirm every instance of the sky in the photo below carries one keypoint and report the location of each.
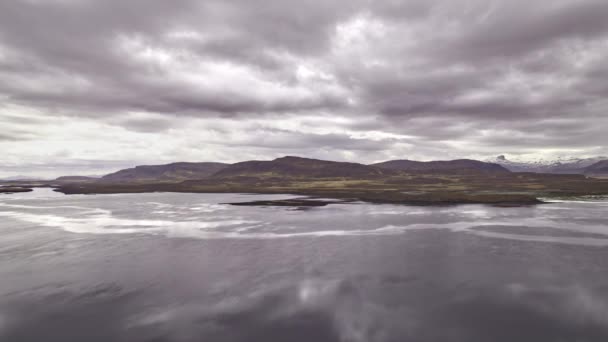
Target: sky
(92, 86)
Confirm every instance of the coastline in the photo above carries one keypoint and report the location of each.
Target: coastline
(340, 196)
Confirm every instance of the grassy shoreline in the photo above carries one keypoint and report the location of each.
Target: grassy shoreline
(510, 189)
(371, 196)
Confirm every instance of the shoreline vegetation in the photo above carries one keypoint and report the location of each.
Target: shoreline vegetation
(338, 195)
(14, 189)
(327, 182)
(429, 189)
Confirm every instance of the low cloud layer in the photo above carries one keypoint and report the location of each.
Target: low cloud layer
(91, 85)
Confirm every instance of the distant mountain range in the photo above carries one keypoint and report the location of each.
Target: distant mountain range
(459, 165)
(289, 166)
(168, 173)
(297, 167)
(300, 167)
(560, 166)
(394, 181)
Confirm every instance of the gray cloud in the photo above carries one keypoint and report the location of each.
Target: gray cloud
(284, 139)
(520, 27)
(505, 76)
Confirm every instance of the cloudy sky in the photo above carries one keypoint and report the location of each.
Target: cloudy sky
(91, 86)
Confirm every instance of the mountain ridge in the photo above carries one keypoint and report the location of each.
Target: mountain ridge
(425, 183)
(300, 167)
(560, 165)
(178, 171)
(291, 166)
(460, 165)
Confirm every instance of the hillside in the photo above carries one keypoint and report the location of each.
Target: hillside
(459, 165)
(300, 167)
(597, 169)
(398, 181)
(164, 173)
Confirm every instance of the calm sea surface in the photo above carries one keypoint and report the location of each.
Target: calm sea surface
(166, 267)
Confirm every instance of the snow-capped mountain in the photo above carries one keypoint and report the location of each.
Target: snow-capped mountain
(560, 165)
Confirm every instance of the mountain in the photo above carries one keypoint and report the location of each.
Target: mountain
(300, 167)
(459, 165)
(598, 169)
(165, 173)
(561, 165)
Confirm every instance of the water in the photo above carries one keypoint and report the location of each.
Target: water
(184, 267)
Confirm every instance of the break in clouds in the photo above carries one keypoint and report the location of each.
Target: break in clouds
(90, 86)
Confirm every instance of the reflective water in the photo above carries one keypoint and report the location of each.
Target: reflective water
(184, 267)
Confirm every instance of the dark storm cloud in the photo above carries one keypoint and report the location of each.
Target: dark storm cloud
(522, 57)
(521, 27)
(436, 70)
(75, 45)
